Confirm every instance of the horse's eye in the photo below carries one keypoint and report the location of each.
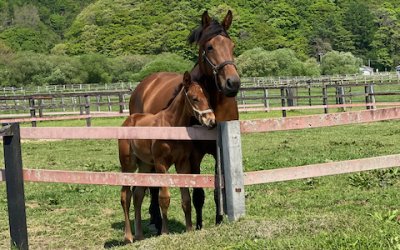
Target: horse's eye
(209, 48)
(195, 100)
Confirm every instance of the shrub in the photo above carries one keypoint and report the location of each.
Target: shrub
(340, 63)
(164, 62)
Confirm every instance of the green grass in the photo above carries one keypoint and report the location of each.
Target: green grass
(352, 211)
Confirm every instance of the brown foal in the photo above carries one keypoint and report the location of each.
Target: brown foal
(146, 156)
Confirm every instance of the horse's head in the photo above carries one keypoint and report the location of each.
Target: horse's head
(197, 101)
(216, 53)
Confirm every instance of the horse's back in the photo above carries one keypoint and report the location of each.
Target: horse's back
(154, 92)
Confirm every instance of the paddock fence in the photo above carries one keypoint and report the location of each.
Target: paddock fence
(229, 180)
(323, 94)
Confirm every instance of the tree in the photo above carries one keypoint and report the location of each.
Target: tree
(280, 62)
(340, 63)
(359, 20)
(386, 42)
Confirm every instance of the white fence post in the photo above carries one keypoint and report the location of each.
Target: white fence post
(231, 161)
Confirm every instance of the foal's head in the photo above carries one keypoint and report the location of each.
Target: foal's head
(216, 53)
(197, 101)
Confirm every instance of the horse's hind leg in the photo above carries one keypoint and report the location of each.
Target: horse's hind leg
(154, 209)
(126, 195)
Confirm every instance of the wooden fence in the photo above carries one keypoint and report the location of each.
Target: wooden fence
(283, 95)
(230, 184)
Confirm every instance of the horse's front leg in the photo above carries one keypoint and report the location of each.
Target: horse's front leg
(187, 208)
(164, 200)
(164, 197)
(138, 196)
(198, 193)
(184, 168)
(126, 195)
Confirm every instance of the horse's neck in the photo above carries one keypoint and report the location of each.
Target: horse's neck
(176, 114)
(225, 108)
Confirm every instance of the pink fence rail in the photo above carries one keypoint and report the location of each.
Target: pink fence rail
(231, 181)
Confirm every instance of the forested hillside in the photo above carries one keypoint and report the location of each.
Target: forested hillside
(369, 30)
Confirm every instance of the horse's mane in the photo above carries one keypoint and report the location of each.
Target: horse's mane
(176, 92)
(200, 35)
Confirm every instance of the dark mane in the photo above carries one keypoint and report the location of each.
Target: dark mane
(176, 92)
(200, 36)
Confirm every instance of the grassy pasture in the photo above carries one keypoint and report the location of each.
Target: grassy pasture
(352, 211)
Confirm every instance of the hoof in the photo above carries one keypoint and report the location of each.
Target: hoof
(152, 229)
(139, 237)
(128, 240)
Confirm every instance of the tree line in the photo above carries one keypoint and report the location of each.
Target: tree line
(267, 34)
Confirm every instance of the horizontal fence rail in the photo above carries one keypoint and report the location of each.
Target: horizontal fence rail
(323, 169)
(315, 121)
(119, 179)
(162, 133)
(208, 181)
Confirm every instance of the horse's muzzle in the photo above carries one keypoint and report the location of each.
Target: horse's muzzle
(232, 86)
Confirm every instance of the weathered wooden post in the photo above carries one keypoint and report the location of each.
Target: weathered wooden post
(32, 110)
(87, 111)
(325, 98)
(283, 101)
(121, 102)
(340, 99)
(370, 96)
(41, 103)
(15, 186)
(266, 99)
(231, 162)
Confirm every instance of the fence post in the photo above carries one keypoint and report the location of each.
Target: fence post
(87, 111)
(15, 186)
(266, 99)
(32, 110)
(121, 103)
(340, 97)
(231, 160)
(41, 107)
(283, 102)
(325, 98)
(371, 95)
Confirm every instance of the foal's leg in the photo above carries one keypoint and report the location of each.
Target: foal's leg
(184, 168)
(126, 195)
(138, 196)
(164, 199)
(128, 164)
(198, 193)
(164, 196)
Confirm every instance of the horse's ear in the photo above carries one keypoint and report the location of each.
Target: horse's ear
(187, 79)
(205, 19)
(227, 20)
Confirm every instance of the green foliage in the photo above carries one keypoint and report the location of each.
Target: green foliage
(281, 62)
(164, 62)
(28, 68)
(27, 39)
(339, 63)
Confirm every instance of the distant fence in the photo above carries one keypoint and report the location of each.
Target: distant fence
(257, 94)
(231, 185)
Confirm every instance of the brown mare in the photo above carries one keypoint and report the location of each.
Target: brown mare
(216, 71)
(149, 155)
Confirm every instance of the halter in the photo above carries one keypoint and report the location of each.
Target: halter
(198, 113)
(216, 68)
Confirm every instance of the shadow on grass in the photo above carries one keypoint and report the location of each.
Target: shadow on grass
(174, 226)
